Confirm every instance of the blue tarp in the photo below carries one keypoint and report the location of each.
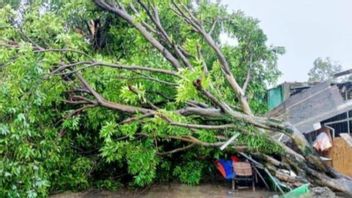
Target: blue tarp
(228, 167)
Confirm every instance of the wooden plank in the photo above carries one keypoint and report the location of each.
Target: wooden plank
(341, 154)
(347, 138)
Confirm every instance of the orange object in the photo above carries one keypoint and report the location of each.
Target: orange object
(220, 168)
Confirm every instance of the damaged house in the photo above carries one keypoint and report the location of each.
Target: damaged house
(323, 113)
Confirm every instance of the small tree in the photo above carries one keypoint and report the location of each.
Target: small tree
(323, 69)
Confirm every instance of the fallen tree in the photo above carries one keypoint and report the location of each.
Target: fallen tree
(305, 160)
(180, 93)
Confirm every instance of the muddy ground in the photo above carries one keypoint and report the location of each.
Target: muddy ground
(173, 191)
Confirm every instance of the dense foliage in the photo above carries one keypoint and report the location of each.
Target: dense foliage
(54, 138)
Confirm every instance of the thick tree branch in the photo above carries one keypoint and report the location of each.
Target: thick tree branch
(177, 150)
(191, 139)
(147, 77)
(188, 16)
(120, 11)
(213, 26)
(63, 67)
(112, 65)
(116, 106)
(14, 45)
(248, 77)
(137, 117)
(200, 126)
(246, 82)
(156, 20)
(256, 121)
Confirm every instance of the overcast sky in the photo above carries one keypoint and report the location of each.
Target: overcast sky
(306, 28)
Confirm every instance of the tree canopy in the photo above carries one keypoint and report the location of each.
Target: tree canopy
(323, 70)
(103, 93)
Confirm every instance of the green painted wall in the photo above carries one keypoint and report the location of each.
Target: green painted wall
(275, 97)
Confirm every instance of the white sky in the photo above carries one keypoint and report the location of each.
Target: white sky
(306, 28)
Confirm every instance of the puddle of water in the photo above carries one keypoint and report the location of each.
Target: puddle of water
(173, 191)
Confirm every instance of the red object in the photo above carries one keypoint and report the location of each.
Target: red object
(220, 168)
(235, 158)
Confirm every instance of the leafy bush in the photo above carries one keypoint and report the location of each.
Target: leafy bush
(189, 173)
(108, 184)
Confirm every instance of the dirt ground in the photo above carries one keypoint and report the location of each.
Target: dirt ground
(173, 191)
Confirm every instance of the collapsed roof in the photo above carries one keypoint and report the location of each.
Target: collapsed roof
(311, 106)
